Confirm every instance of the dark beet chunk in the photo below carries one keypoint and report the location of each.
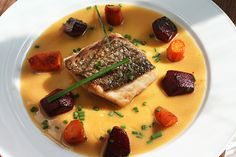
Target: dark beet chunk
(164, 29)
(74, 27)
(118, 143)
(59, 106)
(178, 83)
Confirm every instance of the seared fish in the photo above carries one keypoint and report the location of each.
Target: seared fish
(121, 85)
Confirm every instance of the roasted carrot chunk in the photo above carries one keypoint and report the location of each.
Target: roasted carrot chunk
(175, 51)
(113, 15)
(74, 133)
(165, 117)
(46, 61)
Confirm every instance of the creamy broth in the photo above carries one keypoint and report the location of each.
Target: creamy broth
(34, 86)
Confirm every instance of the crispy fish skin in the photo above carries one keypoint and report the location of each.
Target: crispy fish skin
(122, 84)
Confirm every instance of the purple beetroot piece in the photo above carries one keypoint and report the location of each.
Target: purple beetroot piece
(118, 143)
(58, 106)
(74, 27)
(164, 29)
(178, 83)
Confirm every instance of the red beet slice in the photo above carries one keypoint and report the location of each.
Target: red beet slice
(59, 106)
(164, 29)
(118, 143)
(178, 83)
(74, 27)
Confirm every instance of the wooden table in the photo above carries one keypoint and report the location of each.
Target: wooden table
(229, 7)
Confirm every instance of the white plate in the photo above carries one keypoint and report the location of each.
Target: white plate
(212, 29)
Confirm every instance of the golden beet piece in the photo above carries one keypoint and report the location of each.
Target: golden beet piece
(74, 133)
(46, 61)
(165, 117)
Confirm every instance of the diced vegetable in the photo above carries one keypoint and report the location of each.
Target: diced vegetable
(164, 117)
(58, 106)
(118, 144)
(178, 83)
(46, 61)
(113, 15)
(175, 51)
(164, 29)
(74, 133)
(74, 27)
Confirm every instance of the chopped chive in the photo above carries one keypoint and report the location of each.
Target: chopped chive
(130, 76)
(123, 127)
(76, 115)
(76, 96)
(127, 36)
(44, 124)
(158, 109)
(86, 80)
(111, 140)
(157, 57)
(144, 103)
(88, 8)
(91, 28)
(138, 42)
(102, 25)
(36, 46)
(95, 108)
(151, 35)
(156, 135)
(98, 65)
(57, 127)
(101, 138)
(120, 5)
(135, 132)
(79, 108)
(110, 28)
(149, 142)
(34, 109)
(118, 114)
(111, 113)
(135, 109)
(144, 127)
(108, 131)
(65, 121)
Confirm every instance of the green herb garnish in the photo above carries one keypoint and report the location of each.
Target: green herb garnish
(102, 25)
(57, 127)
(119, 114)
(138, 42)
(65, 121)
(98, 65)
(144, 103)
(149, 142)
(123, 127)
(95, 108)
(157, 57)
(127, 36)
(110, 28)
(156, 135)
(135, 109)
(36, 46)
(101, 138)
(138, 134)
(44, 124)
(111, 113)
(158, 109)
(108, 131)
(76, 115)
(144, 127)
(91, 28)
(86, 80)
(34, 109)
(151, 35)
(88, 8)
(120, 5)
